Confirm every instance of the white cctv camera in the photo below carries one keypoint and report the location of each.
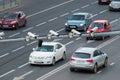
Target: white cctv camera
(53, 33)
(75, 32)
(2, 34)
(94, 29)
(32, 35)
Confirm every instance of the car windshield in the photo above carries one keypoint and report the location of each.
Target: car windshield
(81, 55)
(77, 17)
(99, 25)
(10, 16)
(45, 48)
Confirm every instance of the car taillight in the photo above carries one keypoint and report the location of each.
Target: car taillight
(72, 59)
(89, 60)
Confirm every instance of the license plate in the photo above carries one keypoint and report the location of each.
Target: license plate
(5, 26)
(72, 27)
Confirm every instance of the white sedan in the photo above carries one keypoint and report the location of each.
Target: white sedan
(48, 53)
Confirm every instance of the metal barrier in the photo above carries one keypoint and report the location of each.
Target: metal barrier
(7, 4)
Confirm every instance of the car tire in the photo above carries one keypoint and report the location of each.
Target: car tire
(95, 68)
(72, 69)
(53, 61)
(105, 63)
(64, 56)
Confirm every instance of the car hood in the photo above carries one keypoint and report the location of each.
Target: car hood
(41, 54)
(75, 22)
(7, 21)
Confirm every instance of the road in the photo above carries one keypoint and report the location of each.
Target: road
(44, 15)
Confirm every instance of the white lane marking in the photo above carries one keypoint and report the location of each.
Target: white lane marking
(102, 11)
(28, 29)
(18, 49)
(112, 64)
(95, 15)
(53, 72)
(114, 21)
(50, 8)
(85, 6)
(69, 43)
(7, 73)
(22, 76)
(94, 3)
(23, 65)
(108, 42)
(64, 14)
(90, 41)
(75, 10)
(78, 38)
(14, 35)
(31, 43)
(99, 72)
(4, 55)
(41, 24)
(56, 40)
(60, 30)
(52, 19)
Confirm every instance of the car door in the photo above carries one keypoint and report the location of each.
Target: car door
(97, 57)
(58, 49)
(19, 19)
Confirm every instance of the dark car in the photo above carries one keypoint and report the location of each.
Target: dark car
(13, 20)
(104, 1)
(79, 21)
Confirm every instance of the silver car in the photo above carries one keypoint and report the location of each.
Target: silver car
(88, 59)
(114, 5)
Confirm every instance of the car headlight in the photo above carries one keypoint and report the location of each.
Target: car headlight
(81, 24)
(66, 24)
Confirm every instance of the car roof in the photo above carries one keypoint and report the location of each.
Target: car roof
(101, 21)
(50, 43)
(80, 13)
(86, 50)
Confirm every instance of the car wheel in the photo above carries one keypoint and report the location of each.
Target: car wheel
(72, 69)
(64, 56)
(53, 61)
(95, 68)
(105, 63)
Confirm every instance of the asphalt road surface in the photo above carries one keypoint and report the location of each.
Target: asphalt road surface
(44, 15)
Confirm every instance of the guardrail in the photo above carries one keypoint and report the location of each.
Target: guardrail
(7, 4)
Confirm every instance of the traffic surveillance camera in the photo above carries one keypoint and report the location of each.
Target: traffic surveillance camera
(32, 35)
(75, 32)
(53, 33)
(94, 29)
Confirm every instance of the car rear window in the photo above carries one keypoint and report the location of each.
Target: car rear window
(81, 55)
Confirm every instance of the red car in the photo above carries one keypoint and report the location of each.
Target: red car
(102, 26)
(13, 20)
(104, 1)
